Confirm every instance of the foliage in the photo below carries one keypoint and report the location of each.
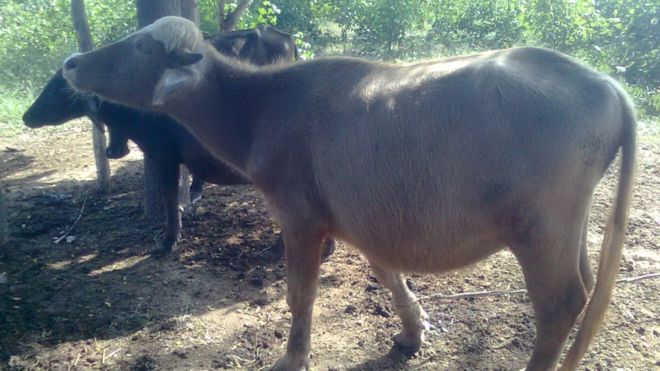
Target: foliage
(12, 106)
(479, 24)
(259, 12)
(620, 37)
(36, 35)
(266, 13)
(29, 29)
(208, 17)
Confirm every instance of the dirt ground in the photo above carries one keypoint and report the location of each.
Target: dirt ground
(97, 299)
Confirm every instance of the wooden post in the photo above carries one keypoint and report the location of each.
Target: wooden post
(98, 135)
(4, 228)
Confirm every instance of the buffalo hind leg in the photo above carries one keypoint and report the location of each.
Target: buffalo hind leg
(413, 318)
(329, 246)
(196, 188)
(170, 187)
(550, 264)
(303, 261)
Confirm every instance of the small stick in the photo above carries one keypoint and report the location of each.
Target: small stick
(521, 291)
(75, 362)
(113, 353)
(70, 229)
(473, 294)
(638, 278)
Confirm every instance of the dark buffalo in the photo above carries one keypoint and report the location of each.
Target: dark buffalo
(160, 137)
(261, 46)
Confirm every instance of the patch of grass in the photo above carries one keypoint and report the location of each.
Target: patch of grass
(649, 129)
(12, 107)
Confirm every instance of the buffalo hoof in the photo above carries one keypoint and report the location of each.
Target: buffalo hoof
(409, 342)
(115, 153)
(407, 346)
(296, 362)
(164, 247)
(275, 252)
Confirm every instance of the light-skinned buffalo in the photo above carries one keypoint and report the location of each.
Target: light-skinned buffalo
(425, 167)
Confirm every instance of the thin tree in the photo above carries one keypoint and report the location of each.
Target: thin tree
(81, 26)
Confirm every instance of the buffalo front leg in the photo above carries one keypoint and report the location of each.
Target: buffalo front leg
(170, 187)
(413, 318)
(118, 146)
(303, 259)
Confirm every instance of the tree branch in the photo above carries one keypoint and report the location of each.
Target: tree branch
(232, 18)
(70, 229)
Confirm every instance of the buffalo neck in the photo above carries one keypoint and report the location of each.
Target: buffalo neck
(127, 119)
(223, 110)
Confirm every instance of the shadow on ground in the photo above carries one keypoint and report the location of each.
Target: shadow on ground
(99, 281)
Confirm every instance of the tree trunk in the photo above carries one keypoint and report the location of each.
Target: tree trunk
(229, 23)
(189, 10)
(98, 136)
(150, 10)
(221, 14)
(154, 208)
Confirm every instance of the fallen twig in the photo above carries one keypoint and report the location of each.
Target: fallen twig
(638, 278)
(70, 229)
(477, 294)
(75, 362)
(113, 353)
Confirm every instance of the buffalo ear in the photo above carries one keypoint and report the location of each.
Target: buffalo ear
(177, 58)
(146, 44)
(173, 83)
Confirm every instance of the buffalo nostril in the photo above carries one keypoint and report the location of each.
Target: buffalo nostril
(70, 63)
